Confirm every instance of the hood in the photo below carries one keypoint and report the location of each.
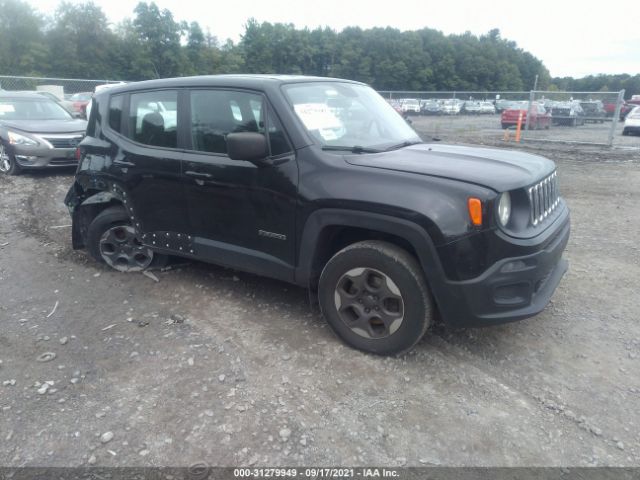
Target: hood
(47, 126)
(500, 170)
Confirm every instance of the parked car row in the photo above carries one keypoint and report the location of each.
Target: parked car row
(562, 113)
(545, 114)
(565, 112)
(435, 106)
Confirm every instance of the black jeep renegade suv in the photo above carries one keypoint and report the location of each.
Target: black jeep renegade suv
(319, 182)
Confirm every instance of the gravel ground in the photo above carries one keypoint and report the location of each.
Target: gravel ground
(201, 363)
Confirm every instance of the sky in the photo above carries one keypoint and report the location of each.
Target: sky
(572, 38)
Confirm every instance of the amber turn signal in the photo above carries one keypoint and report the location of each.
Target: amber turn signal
(475, 211)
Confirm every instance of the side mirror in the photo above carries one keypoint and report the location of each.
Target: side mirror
(248, 146)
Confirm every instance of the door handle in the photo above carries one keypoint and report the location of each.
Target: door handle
(191, 173)
(123, 163)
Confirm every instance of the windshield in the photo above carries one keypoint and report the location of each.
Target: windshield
(31, 109)
(348, 115)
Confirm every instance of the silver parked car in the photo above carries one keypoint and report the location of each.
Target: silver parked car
(36, 132)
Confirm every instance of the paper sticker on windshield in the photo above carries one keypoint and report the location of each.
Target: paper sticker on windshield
(328, 134)
(317, 116)
(6, 108)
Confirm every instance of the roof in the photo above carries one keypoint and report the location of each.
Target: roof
(257, 82)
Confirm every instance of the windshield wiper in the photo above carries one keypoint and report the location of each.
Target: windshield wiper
(352, 149)
(402, 145)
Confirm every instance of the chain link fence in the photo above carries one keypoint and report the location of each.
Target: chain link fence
(596, 118)
(62, 87)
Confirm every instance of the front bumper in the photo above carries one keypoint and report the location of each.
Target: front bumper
(511, 289)
(43, 157)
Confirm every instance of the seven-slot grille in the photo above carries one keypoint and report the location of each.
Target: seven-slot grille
(64, 142)
(544, 197)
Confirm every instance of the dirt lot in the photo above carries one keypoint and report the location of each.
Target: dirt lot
(213, 365)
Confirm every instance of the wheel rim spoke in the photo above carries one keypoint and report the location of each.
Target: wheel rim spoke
(369, 303)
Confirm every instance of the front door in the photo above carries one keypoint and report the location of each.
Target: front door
(240, 214)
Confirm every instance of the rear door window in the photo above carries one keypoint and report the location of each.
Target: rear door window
(153, 118)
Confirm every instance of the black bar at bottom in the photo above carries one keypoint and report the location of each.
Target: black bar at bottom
(202, 471)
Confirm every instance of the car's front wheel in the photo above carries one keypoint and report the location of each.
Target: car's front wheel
(111, 239)
(374, 297)
(8, 164)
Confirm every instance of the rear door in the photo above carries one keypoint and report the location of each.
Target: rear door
(148, 163)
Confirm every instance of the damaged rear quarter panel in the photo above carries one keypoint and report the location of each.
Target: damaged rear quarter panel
(87, 197)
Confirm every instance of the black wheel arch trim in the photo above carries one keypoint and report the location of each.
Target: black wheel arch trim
(417, 237)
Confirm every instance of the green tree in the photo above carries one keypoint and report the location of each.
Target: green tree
(22, 45)
(80, 42)
(161, 36)
(131, 60)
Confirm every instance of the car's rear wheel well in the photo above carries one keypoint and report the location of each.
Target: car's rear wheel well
(84, 215)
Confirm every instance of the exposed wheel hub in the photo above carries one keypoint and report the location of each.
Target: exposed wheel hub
(121, 249)
(369, 301)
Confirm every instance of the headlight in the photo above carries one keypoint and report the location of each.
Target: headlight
(17, 139)
(504, 208)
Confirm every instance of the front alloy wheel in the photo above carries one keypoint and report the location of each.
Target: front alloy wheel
(8, 165)
(374, 296)
(369, 303)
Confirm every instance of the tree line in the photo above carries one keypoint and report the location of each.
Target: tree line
(78, 42)
(600, 83)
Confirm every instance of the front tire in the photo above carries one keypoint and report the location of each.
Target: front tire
(8, 164)
(374, 297)
(111, 239)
